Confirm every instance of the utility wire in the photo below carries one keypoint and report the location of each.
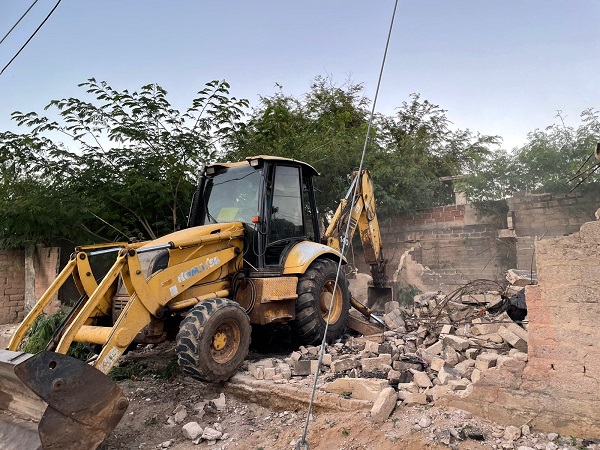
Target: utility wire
(18, 21)
(31, 37)
(302, 443)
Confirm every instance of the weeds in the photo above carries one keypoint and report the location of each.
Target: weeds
(151, 422)
(42, 331)
(127, 371)
(345, 432)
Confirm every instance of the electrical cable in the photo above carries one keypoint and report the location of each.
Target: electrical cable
(31, 37)
(302, 443)
(18, 21)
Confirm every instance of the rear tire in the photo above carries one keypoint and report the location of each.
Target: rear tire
(315, 289)
(213, 340)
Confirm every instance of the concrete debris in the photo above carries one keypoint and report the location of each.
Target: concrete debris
(384, 405)
(438, 347)
(192, 430)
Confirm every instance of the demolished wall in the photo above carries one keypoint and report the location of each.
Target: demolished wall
(558, 388)
(540, 216)
(449, 246)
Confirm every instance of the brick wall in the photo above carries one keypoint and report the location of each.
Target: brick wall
(557, 390)
(12, 286)
(12, 280)
(540, 216)
(452, 244)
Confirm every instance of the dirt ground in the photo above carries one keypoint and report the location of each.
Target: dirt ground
(252, 426)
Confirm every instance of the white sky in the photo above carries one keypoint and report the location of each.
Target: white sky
(498, 67)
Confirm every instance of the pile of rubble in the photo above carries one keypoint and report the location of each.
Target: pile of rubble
(437, 347)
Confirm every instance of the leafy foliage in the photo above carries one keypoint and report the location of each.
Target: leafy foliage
(544, 164)
(131, 171)
(43, 330)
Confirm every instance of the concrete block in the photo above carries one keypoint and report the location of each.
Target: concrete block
(384, 405)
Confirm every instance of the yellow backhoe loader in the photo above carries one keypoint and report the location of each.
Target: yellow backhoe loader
(252, 255)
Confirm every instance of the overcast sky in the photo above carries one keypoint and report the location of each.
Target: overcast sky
(498, 67)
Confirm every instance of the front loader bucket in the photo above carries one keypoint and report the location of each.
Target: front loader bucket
(74, 405)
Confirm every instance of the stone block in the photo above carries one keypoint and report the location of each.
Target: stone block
(382, 362)
(313, 366)
(371, 347)
(269, 373)
(327, 358)
(394, 376)
(485, 361)
(359, 388)
(411, 399)
(341, 365)
(302, 368)
(464, 366)
(435, 349)
(519, 331)
(448, 374)
(450, 356)
(446, 329)
(471, 353)
(192, 430)
(421, 379)
(475, 375)
(391, 306)
(384, 405)
(456, 342)
(410, 387)
(437, 364)
(512, 339)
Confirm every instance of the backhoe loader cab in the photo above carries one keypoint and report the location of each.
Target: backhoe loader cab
(272, 197)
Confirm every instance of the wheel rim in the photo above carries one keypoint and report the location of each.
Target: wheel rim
(325, 301)
(226, 341)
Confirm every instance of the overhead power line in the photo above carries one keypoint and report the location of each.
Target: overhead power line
(18, 21)
(31, 37)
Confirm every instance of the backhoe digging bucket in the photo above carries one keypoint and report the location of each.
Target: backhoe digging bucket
(378, 296)
(76, 405)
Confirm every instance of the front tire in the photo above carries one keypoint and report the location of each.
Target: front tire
(213, 340)
(315, 291)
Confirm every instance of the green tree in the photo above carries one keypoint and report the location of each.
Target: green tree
(127, 168)
(416, 148)
(544, 164)
(325, 128)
